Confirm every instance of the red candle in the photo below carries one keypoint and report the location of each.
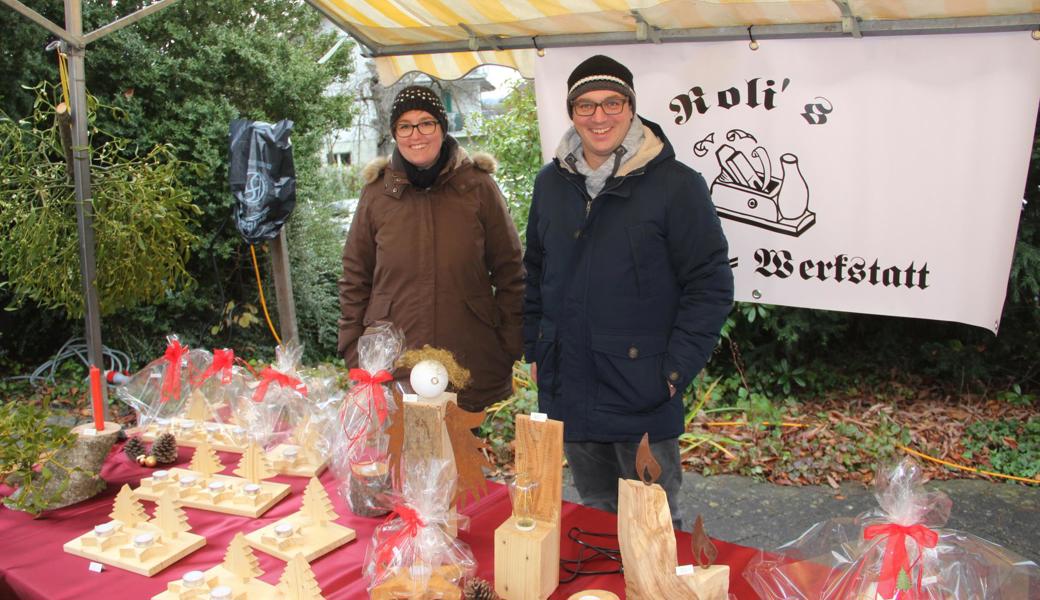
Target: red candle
(95, 395)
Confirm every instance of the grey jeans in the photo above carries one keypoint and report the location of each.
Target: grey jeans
(597, 466)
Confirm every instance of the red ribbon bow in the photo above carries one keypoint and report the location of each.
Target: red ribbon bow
(366, 379)
(171, 383)
(223, 360)
(269, 376)
(895, 558)
(412, 523)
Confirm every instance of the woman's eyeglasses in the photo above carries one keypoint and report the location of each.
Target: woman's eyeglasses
(424, 127)
(611, 106)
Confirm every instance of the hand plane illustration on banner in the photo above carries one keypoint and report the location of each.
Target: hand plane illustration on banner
(755, 195)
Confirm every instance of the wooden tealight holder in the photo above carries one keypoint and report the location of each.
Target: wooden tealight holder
(647, 543)
(527, 563)
(309, 531)
(238, 572)
(201, 487)
(196, 427)
(131, 542)
(301, 458)
(426, 435)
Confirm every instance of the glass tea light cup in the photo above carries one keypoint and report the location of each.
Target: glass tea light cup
(521, 494)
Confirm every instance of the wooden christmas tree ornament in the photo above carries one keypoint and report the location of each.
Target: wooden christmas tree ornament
(298, 582)
(131, 542)
(527, 559)
(647, 542)
(238, 574)
(309, 532)
(201, 487)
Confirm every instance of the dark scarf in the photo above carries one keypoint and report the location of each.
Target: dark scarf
(424, 178)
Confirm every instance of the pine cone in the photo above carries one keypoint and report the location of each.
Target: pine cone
(133, 448)
(165, 449)
(479, 589)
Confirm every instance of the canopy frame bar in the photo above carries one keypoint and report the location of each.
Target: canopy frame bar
(979, 24)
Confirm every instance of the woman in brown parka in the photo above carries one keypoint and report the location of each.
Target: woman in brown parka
(433, 250)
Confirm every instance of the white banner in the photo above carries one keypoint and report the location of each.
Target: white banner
(874, 175)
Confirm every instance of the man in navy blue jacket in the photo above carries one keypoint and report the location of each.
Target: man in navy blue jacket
(628, 285)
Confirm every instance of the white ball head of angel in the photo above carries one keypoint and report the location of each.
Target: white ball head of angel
(429, 378)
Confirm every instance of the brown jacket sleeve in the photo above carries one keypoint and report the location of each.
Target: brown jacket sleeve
(355, 285)
(504, 258)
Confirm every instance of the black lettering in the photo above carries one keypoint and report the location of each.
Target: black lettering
(729, 98)
(856, 270)
(890, 276)
(780, 263)
(682, 107)
(698, 99)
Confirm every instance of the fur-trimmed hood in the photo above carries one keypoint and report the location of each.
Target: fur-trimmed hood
(481, 160)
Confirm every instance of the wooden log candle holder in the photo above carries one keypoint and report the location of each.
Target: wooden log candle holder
(647, 542)
(527, 561)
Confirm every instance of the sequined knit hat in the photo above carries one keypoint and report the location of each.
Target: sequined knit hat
(417, 97)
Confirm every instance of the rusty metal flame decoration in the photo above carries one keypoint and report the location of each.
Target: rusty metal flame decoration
(647, 467)
(704, 550)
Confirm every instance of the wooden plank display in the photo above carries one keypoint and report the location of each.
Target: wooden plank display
(309, 531)
(647, 543)
(238, 573)
(201, 487)
(527, 562)
(133, 542)
(426, 435)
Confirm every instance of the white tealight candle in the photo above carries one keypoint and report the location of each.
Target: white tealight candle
(192, 579)
(143, 540)
(283, 530)
(160, 475)
(216, 486)
(251, 489)
(221, 592)
(104, 529)
(187, 424)
(290, 452)
(238, 431)
(188, 480)
(212, 427)
(162, 422)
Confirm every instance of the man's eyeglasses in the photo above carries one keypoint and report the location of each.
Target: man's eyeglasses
(611, 106)
(424, 127)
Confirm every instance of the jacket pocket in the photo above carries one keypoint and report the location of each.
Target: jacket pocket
(484, 308)
(378, 309)
(547, 356)
(629, 376)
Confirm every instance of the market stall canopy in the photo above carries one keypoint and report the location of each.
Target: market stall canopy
(448, 38)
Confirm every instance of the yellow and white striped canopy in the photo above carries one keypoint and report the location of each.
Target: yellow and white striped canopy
(448, 38)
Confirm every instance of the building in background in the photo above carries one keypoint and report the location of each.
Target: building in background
(369, 136)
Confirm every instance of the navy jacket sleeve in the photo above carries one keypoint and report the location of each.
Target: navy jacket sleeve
(699, 256)
(533, 269)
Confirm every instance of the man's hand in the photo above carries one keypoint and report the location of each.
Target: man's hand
(671, 389)
(534, 373)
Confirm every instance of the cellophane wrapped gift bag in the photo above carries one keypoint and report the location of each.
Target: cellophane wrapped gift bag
(360, 460)
(158, 393)
(411, 554)
(220, 381)
(316, 431)
(899, 551)
(278, 396)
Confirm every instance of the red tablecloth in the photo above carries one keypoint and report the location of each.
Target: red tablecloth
(33, 565)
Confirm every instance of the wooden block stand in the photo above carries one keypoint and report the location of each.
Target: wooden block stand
(647, 543)
(239, 571)
(304, 464)
(426, 436)
(527, 563)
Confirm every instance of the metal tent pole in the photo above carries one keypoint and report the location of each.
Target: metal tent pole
(84, 202)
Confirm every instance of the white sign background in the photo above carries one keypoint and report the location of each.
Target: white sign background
(919, 166)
